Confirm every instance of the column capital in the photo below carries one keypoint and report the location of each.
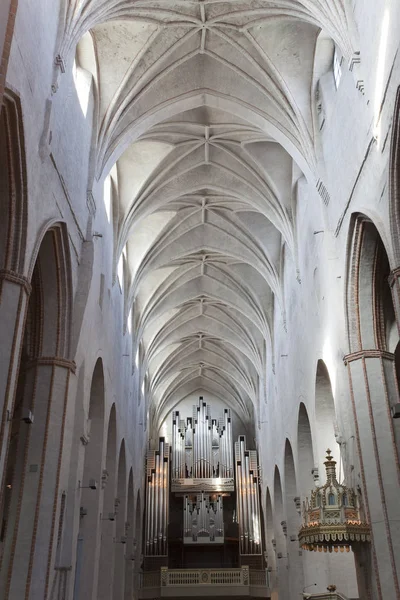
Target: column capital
(56, 361)
(375, 353)
(13, 277)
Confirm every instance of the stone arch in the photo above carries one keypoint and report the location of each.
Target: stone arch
(89, 527)
(270, 540)
(52, 262)
(34, 436)
(371, 316)
(292, 504)
(394, 181)
(305, 452)
(14, 285)
(13, 187)
(120, 533)
(325, 417)
(280, 524)
(138, 540)
(373, 339)
(130, 542)
(279, 520)
(106, 565)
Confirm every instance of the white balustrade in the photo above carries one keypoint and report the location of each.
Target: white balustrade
(186, 577)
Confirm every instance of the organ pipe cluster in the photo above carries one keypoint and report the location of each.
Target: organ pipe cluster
(157, 500)
(202, 447)
(203, 519)
(248, 502)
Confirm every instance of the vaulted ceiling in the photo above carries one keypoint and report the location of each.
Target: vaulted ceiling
(205, 117)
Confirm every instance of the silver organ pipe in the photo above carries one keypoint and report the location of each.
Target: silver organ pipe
(156, 503)
(157, 499)
(229, 454)
(196, 445)
(204, 468)
(203, 519)
(248, 506)
(202, 447)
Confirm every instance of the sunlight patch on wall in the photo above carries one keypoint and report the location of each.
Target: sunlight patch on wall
(329, 360)
(120, 270)
(83, 84)
(107, 197)
(129, 324)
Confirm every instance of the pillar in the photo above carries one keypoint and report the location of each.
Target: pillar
(90, 532)
(372, 384)
(30, 548)
(14, 297)
(108, 532)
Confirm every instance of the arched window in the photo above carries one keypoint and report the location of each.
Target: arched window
(331, 500)
(337, 66)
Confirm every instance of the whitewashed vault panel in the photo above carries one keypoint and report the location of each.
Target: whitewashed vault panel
(204, 107)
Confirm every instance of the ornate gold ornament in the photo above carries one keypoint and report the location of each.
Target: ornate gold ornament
(332, 519)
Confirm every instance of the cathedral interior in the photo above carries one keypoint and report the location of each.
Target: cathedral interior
(199, 299)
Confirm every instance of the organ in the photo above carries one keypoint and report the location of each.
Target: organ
(212, 485)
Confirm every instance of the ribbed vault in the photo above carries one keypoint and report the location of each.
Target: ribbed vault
(204, 113)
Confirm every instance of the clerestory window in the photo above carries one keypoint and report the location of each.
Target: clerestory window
(337, 66)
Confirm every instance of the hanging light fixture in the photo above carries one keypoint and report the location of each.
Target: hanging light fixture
(332, 518)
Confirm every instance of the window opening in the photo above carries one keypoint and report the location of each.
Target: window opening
(337, 67)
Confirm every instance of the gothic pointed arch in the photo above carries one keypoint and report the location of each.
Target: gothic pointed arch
(394, 180)
(13, 187)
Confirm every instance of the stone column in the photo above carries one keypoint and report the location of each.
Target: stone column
(30, 547)
(283, 575)
(92, 504)
(295, 562)
(14, 297)
(131, 563)
(394, 282)
(120, 555)
(372, 384)
(107, 553)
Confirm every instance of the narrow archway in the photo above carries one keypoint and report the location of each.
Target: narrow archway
(292, 503)
(270, 545)
(305, 452)
(394, 181)
(38, 417)
(13, 199)
(325, 417)
(120, 529)
(88, 544)
(14, 285)
(280, 528)
(138, 542)
(130, 542)
(106, 565)
(371, 363)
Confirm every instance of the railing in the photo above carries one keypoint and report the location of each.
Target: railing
(258, 578)
(150, 579)
(325, 596)
(204, 576)
(186, 577)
